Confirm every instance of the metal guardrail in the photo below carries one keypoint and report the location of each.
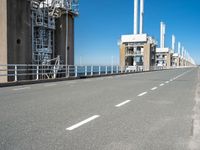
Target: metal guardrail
(21, 72)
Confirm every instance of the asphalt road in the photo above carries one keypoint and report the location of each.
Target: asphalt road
(143, 111)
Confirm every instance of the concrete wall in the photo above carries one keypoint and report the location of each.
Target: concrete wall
(19, 32)
(3, 37)
(60, 39)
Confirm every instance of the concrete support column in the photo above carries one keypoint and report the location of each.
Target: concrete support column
(169, 60)
(3, 39)
(122, 55)
(147, 57)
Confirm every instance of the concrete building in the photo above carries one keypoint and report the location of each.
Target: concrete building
(137, 49)
(36, 31)
(164, 55)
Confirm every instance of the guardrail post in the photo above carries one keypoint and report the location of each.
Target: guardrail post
(85, 70)
(99, 70)
(91, 70)
(122, 70)
(15, 73)
(37, 73)
(106, 69)
(111, 69)
(54, 72)
(76, 71)
(66, 71)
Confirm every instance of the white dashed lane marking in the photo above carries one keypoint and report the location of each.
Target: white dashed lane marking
(142, 94)
(82, 122)
(162, 84)
(123, 103)
(154, 88)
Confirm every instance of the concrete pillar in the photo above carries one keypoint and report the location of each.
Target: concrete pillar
(122, 55)
(178, 61)
(3, 38)
(60, 39)
(169, 60)
(147, 56)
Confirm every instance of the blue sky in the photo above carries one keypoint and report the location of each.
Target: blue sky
(101, 23)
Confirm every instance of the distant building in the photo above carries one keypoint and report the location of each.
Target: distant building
(164, 57)
(138, 49)
(175, 60)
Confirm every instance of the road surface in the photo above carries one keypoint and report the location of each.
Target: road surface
(142, 111)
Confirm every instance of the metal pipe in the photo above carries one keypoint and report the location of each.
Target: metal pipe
(141, 15)
(161, 33)
(173, 42)
(135, 16)
(179, 48)
(163, 42)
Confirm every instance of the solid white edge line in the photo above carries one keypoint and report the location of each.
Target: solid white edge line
(82, 122)
(123, 103)
(23, 88)
(162, 84)
(154, 88)
(142, 94)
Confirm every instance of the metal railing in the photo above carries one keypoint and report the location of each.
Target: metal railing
(20, 72)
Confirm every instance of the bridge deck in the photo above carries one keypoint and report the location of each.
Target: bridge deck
(146, 111)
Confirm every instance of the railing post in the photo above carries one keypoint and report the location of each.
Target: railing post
(54, 72)
(37, 73)
(122, 70)
(91, 70)
(117, 69)
(111, 69)
(99, 70)
(85, 70)
(76, 71)
(15, 73)
(66, 71)
(106, 70)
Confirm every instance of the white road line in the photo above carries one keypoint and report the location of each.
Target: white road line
(171, 80)
(49, 85)
(82, 122)
(23, 88)
(154, 88)
(167, 82)
(162, 84)
(123, 103)
(142, 94)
